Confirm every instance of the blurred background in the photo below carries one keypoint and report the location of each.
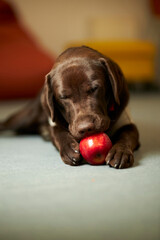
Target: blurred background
(41, 197)
(34, 33)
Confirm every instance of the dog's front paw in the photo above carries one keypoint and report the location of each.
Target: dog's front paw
(70, 152)
(120, 156)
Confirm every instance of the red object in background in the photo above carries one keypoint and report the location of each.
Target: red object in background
(23, 64)
(94, 148)
(155, 5)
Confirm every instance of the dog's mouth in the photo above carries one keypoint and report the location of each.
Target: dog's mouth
(88, 125)
(85, 134)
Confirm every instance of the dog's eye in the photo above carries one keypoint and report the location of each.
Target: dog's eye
(63, 97)
(93, 89)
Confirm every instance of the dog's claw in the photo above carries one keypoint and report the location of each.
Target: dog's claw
(76, 151)
(70, 153)
(120, 156)
(116, 165)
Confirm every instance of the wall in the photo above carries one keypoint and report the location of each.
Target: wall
(57, 22)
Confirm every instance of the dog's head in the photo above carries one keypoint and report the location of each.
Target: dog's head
(85, 92)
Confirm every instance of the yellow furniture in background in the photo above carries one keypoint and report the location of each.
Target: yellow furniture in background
(136, 58)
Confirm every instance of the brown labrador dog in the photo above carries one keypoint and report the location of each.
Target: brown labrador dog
(83, 94)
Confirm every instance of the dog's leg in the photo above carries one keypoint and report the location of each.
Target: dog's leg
(26, 120)
(44, 131)
(125, 141)
(66, 144)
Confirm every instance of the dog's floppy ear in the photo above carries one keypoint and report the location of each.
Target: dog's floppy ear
(47, 97)
(115, 76)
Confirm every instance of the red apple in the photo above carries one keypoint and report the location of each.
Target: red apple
(94, 148)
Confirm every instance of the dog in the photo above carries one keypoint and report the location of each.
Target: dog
(84, 93)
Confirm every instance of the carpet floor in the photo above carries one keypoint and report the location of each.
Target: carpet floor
(41, 198)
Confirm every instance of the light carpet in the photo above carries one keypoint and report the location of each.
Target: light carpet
(41, 198)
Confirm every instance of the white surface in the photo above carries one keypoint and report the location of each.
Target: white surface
(42, 198)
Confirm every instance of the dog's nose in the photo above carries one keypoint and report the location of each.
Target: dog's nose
(85, 128)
